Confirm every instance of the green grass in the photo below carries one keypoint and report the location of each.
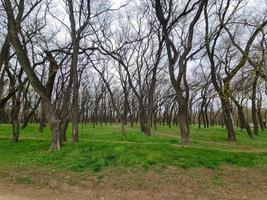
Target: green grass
(102, 147)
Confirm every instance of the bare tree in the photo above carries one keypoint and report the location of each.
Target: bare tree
(15, 31)
(179, 55)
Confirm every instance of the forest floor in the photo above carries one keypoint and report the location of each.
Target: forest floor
(103, 166)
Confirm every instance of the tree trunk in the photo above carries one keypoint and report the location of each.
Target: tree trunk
(42, 119)
(183, 120)
(55, 126)
(15, 117)
(15, 128)
(75, 36)
(244, 123)
(228, 119)
(262, 124)
(253, 106)
(65, 113)
(143, 120)
(75, 99)
(65, 124)
(184, 126)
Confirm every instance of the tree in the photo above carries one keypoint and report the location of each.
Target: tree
(166, 12)
(223, 84)
(14, 29)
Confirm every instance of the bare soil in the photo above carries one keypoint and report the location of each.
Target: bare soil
(171, 184)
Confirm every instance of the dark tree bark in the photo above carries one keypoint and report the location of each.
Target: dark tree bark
(254, 104)
(259, 102)
(241, 114)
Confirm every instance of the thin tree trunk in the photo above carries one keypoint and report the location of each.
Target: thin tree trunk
(15, 116)
(262, 124)
(42, 119)
(253, 106)
(75, 99)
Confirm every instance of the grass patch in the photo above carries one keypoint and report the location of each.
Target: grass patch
(102, 147)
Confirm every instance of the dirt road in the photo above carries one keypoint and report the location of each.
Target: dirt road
(227, 184)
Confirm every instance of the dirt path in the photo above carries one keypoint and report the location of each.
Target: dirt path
(28, 193)
(172, 184)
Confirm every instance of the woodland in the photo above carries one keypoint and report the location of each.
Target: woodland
(98, 86)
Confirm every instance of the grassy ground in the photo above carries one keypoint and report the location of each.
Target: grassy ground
(102, 152)
(103, 146)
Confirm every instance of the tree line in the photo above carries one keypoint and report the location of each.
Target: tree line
(144, 62)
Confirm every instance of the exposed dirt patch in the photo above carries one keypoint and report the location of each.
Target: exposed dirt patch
(172, 183)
